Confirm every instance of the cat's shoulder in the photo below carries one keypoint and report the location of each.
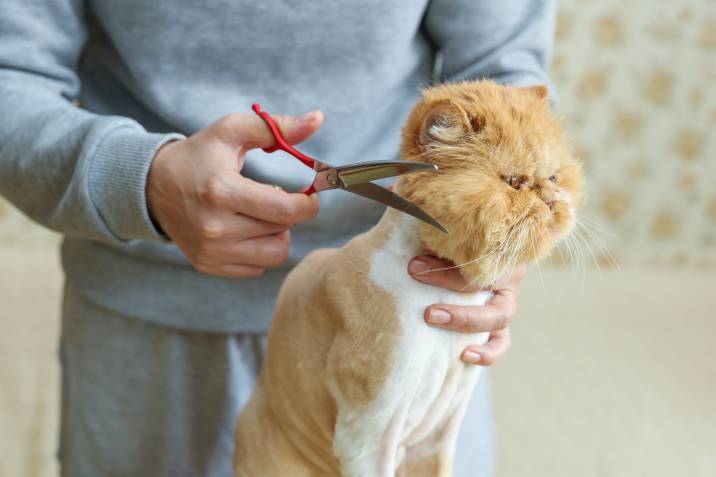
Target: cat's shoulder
(312, 267)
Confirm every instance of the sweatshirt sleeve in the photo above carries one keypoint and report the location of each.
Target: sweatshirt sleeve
(78, 173)
(508, 41)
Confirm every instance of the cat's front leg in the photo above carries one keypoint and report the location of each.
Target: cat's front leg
(367, 441)
(449, 431)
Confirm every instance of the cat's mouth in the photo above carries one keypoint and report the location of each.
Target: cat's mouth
(533, 235)
(527, 239)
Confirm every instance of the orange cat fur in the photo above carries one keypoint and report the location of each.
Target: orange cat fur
(340, 392)
(482, 136)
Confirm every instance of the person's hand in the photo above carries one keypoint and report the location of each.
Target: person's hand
(226, 224)
(494, 317)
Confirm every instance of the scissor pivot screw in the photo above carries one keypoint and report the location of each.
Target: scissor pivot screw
(331, 178)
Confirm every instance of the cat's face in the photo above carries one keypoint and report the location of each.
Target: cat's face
(508, 184)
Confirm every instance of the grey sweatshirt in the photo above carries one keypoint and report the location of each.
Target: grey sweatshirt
(145, 72)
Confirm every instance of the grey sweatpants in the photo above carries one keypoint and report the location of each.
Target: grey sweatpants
(145, 400)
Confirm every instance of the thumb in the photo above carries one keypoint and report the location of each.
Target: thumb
(251, 131)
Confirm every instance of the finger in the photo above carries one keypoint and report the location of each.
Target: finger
(238, 227)
(266, 251)
(232, 271)
(492, 351)
(264, 202)
(434, 271)
(250, 131)
(493, 316)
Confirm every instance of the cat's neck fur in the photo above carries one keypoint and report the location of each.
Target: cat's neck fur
(397, 234)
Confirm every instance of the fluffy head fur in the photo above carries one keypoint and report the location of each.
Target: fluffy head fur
(508, 183)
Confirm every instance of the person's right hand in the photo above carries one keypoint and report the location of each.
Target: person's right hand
(226, 224)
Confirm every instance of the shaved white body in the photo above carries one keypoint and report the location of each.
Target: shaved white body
(420, 407)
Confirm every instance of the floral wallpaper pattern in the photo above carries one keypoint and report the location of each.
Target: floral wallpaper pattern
(636, 84)
(637, 88)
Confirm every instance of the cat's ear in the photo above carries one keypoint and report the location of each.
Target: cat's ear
(445, 122)
(540, 91)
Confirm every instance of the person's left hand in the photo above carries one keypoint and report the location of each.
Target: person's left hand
(494, 317)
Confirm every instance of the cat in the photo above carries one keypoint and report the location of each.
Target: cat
(354, 382)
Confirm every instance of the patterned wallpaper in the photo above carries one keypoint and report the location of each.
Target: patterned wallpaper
(636, 83)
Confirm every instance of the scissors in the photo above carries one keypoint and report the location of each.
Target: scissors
(357, 177)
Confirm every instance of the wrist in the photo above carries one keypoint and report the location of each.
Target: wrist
(153, 191)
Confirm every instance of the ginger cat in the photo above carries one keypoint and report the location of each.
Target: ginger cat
(339, 393)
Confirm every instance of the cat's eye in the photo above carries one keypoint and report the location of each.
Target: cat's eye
(514, 181)
(553, 178)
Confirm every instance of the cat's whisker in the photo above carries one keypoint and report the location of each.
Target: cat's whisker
(511, 261)
(574, 255)
(603, 249)
(591, 252)
(506, 243)
(517, 231)
(568, 248)
(493, 272)
(611, 260)
(561, 253)
(575, 252)
(595, 225)
(495, 266)
(582, 256)
(509, 246)
(470, 284)
(539, 269)
(457, 266)
(593, 229)
(579, 253)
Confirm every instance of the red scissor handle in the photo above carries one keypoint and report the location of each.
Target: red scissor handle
(282, 144)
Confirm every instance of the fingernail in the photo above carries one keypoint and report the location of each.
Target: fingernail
(438, 316)
(308, 117)
(471, 357)
(417, 267)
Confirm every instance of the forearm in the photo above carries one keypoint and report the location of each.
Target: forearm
(75, 172)
(78, 173)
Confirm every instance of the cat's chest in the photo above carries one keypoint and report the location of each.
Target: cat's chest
(427, 378)
(388, 270)
(430, 352)
(413, 371)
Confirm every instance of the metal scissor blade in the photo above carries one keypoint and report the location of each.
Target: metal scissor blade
(391, 199)
(374, 170)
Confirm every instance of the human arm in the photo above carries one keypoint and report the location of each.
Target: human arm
(88, 175)
(509, 42)
(76, 172)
